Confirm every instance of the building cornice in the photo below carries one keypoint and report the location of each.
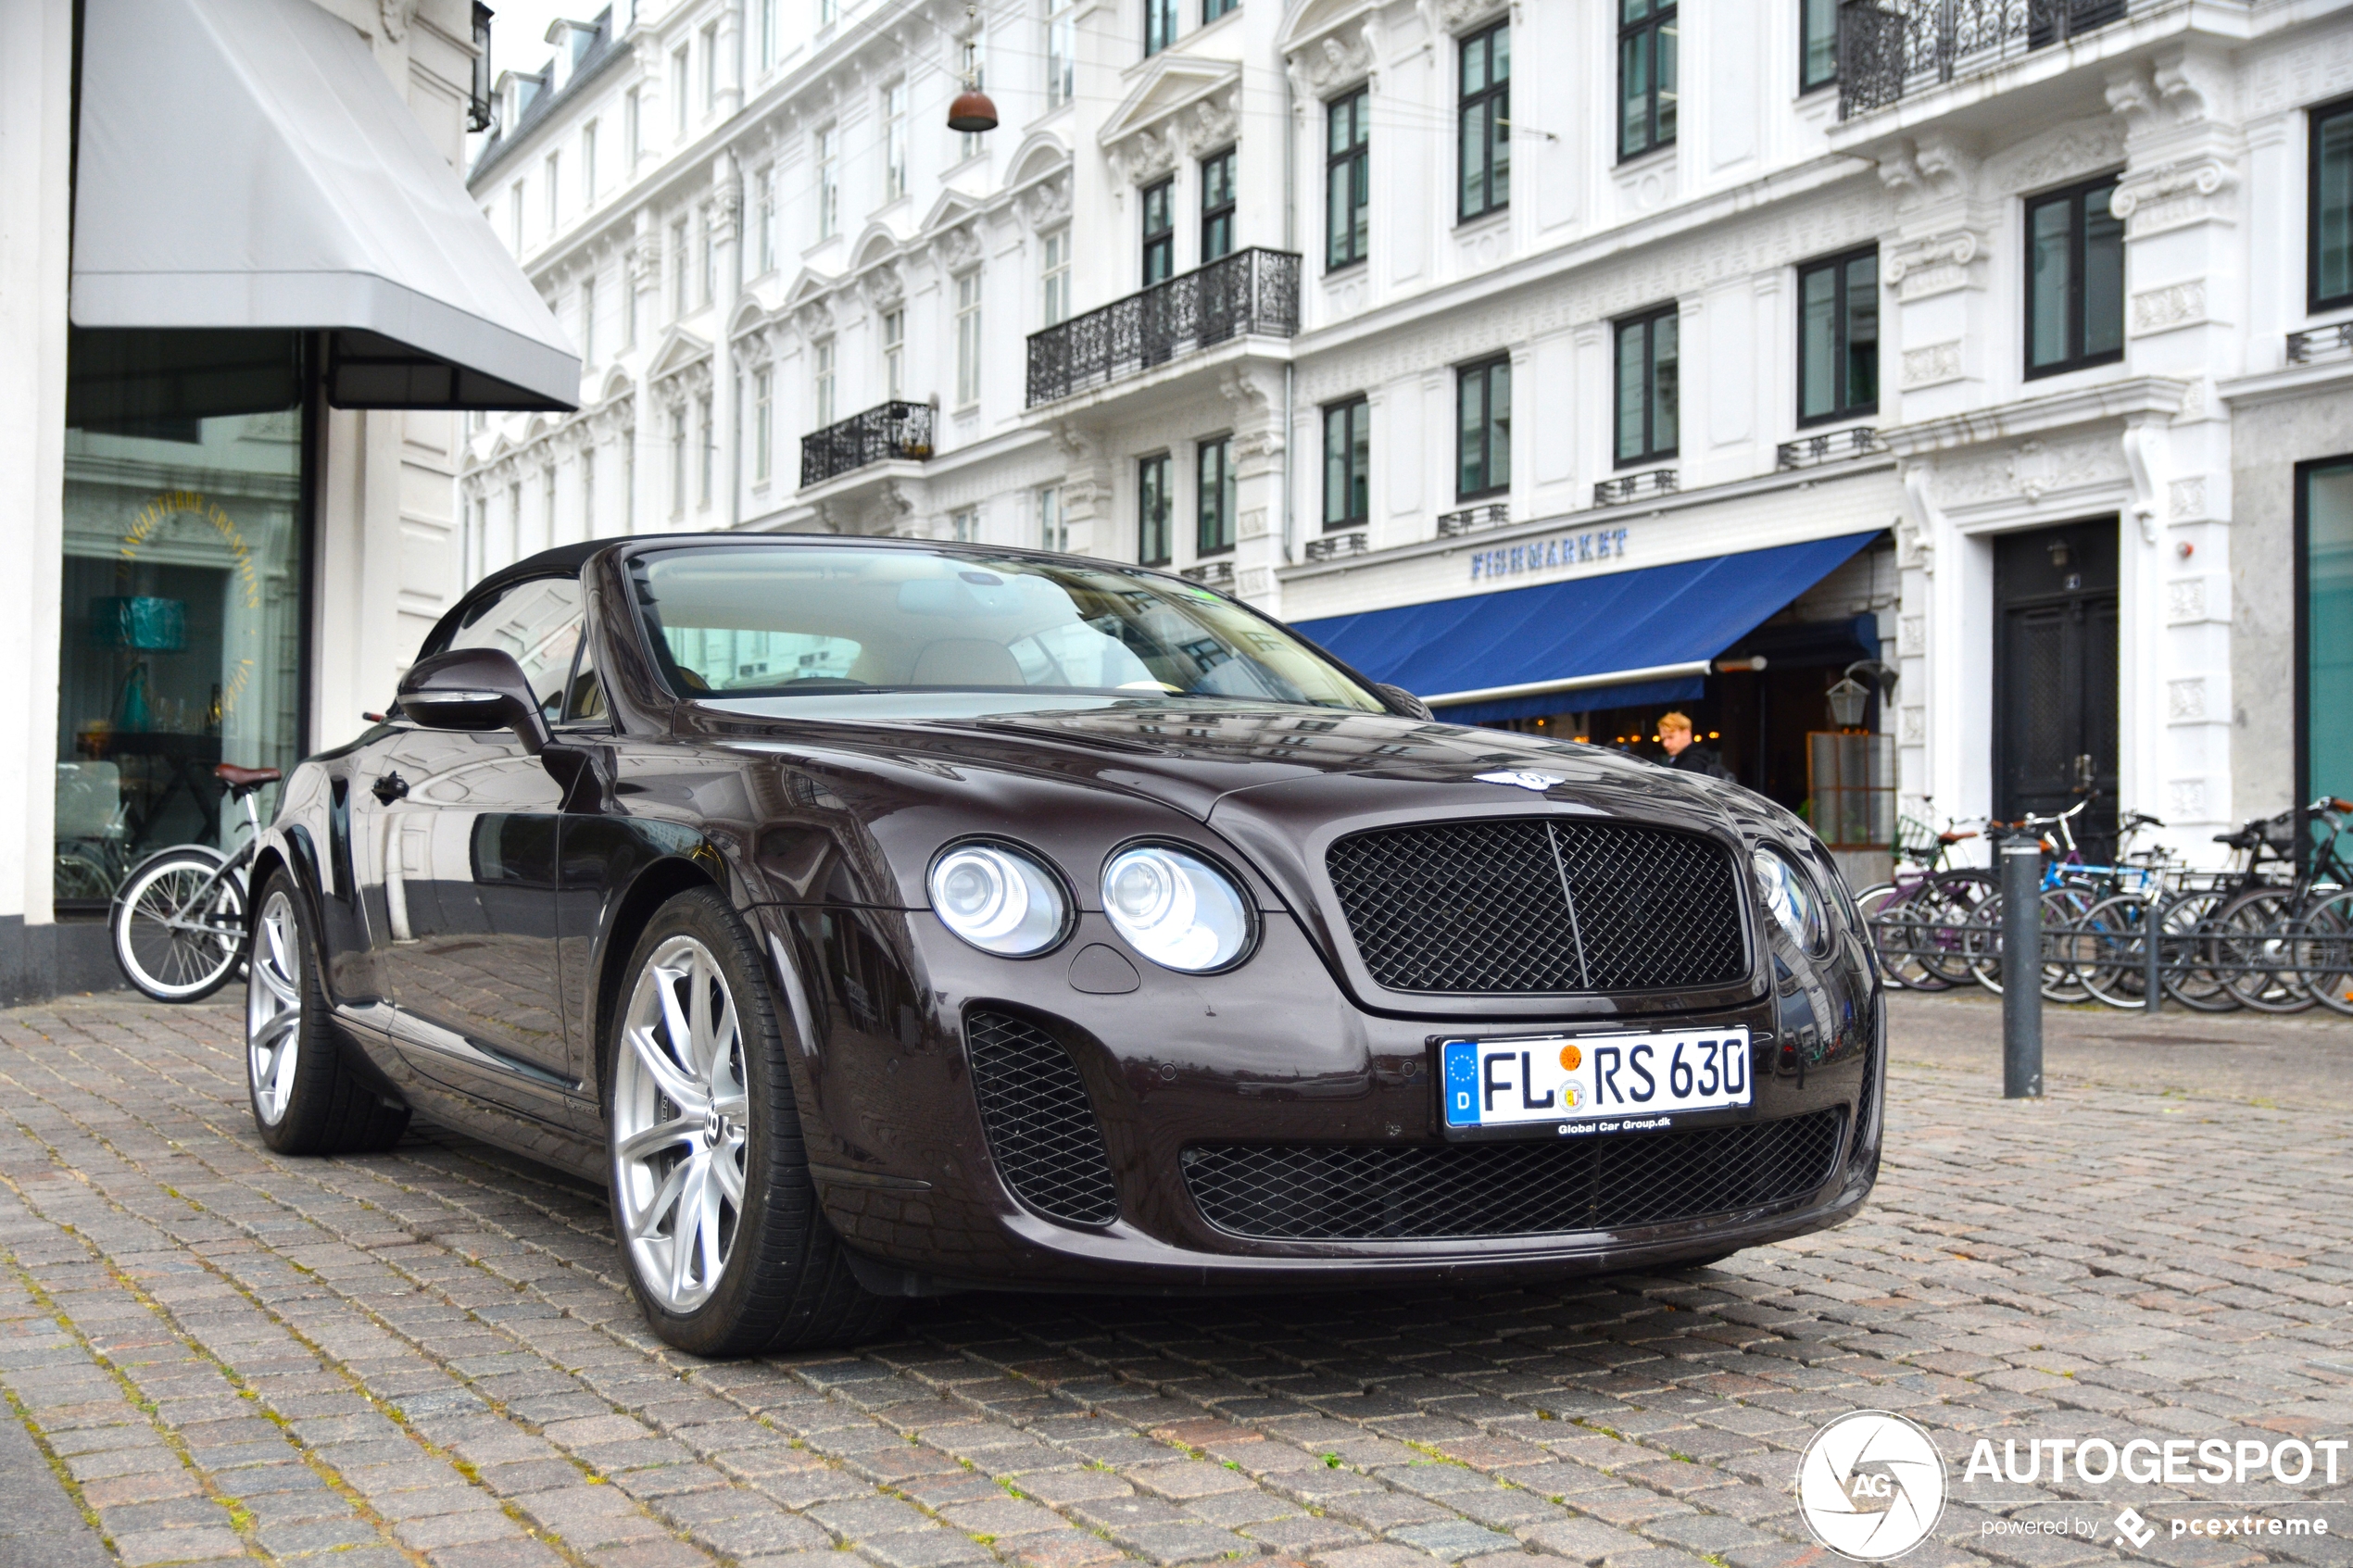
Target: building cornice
(2128, 399)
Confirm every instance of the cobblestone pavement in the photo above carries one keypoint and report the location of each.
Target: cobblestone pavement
(426, 1358)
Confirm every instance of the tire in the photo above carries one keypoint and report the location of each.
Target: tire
(153, 946)
(2189, 942)
(306, 1096)
(2110, 950)
(1944, 916)
(2257, 945)
(2324, 951)
(702, 1121)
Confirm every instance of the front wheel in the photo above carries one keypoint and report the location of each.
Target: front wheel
(307, 1098)
(727, 1249)
(179, 924)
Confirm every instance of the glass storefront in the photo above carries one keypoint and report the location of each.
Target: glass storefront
(184, 574)
(2324, 516)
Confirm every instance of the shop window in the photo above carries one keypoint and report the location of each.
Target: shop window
(1645, 76)
(1213, 497)
(1485, 114)
(1217, 204)
(1160, 231)
(184, 592)
(1348, 191)
(1151, 510)
(1838, 338)
(2074, 280)
(1816, 44)
(1347, 462)
(1648, 391)
(1483, 425)
(2331, 223)
(2325, 632)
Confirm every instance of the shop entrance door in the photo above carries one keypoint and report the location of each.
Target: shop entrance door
(2055, 694)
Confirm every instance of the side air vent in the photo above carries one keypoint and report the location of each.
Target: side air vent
(1041, 1126)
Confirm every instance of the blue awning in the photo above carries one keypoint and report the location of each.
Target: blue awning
(1656, 626)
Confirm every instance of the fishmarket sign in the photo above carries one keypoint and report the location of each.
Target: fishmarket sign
(1548, 553)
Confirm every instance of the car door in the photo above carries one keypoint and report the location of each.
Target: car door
(469, 827)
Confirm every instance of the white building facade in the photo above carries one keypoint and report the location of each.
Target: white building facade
(1566, 361)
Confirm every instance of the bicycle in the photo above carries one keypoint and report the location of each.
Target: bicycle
(2255, 927)
(178, 920)
(1917, 919)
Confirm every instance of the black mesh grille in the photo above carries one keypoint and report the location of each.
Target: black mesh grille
(1357, 1192)
(1041, 1126)
(1537, 904)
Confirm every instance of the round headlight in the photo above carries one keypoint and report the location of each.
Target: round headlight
(999, 900)
(1790, 896)
(1176, 909)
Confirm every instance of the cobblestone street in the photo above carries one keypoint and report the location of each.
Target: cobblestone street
(427, 1357)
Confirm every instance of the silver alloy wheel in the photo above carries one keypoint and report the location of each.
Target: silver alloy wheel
(274, 1008)
(679, 1122)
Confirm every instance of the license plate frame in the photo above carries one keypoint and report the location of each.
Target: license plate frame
(1732, 1044)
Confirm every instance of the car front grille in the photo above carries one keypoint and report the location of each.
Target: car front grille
(1537, 904)
(1433, 1192)
(1041, 1126)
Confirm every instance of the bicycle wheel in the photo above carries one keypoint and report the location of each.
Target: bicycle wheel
(2110, 950)
(1945, 924)
(2258, 965)
(2063, 911)
(1882, 907)
(2190, 947)
(167, 943)
(1982, 939)
(80, 875)
(2323, 950)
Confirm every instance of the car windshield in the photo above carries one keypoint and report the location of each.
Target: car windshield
(771, 621)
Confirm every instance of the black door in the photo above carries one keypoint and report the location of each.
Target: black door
(2055, 696)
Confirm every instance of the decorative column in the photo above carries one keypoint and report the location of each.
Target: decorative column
(721, 214)
(1255, 398)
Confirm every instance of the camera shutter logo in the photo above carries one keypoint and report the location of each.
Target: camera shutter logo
(1871, 1486)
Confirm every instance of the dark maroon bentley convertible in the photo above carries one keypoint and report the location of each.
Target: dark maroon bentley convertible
(879, 918)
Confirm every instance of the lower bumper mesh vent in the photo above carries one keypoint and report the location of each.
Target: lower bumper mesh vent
(1363, 1191)
(1041, 1126)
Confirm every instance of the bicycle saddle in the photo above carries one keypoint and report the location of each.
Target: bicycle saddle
(244, 778)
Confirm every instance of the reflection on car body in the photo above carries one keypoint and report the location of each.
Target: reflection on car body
(878, 918)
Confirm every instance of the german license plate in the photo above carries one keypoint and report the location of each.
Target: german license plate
(1579, 1083)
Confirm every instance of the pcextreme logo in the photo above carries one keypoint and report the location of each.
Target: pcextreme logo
(1871, 1486)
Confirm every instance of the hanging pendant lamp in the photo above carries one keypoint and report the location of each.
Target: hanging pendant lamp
(973, 111)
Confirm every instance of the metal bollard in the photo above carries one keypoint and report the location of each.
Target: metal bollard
(2153, 954)
(2022, 970)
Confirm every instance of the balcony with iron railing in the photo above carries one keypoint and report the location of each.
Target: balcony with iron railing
(1214, 573)
(1248, 293)
(1891, 49)
(1634, 486)
(1493, 514)
(2315, 344)
(1829, 446)
(885, 433)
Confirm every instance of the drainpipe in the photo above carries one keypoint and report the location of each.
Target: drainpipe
(1290, 243)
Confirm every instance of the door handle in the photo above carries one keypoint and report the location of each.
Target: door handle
(389, 788)
(2085, 775)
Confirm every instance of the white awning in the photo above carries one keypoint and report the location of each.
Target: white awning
(247, 163)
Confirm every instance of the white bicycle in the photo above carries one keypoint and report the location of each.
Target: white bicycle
(179, 919)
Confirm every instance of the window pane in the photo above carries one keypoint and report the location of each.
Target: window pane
(1471, 395)
(1634, 92)
(1819, 47)
(1499, 426)
(2102, 276)
(2333, 207)
(1499, 43)
(1335, 465)
(1665, 389)
(1634, 10)
(1630, 377)
(1665, 65)
(1474, 64)
(1816, 343)
(1862, 332)
(1474, 159)
(1339, 223)
(1499, 178)
(1360, 459)
(2046, 282)
(2328, 620)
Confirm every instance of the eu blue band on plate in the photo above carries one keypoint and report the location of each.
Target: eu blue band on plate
(1638, 620)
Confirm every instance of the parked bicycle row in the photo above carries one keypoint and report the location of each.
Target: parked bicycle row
(2273, 932)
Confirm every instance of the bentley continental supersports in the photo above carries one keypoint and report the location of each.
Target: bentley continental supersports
(878, 918)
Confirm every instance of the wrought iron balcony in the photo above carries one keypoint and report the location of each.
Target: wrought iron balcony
(1632, 487)
(1249, 291)
(1494, 514)
(2320, 343)
(1831, 446)
(1218, 574)
(882, 434)
(1325, 547)
(1887, 48)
